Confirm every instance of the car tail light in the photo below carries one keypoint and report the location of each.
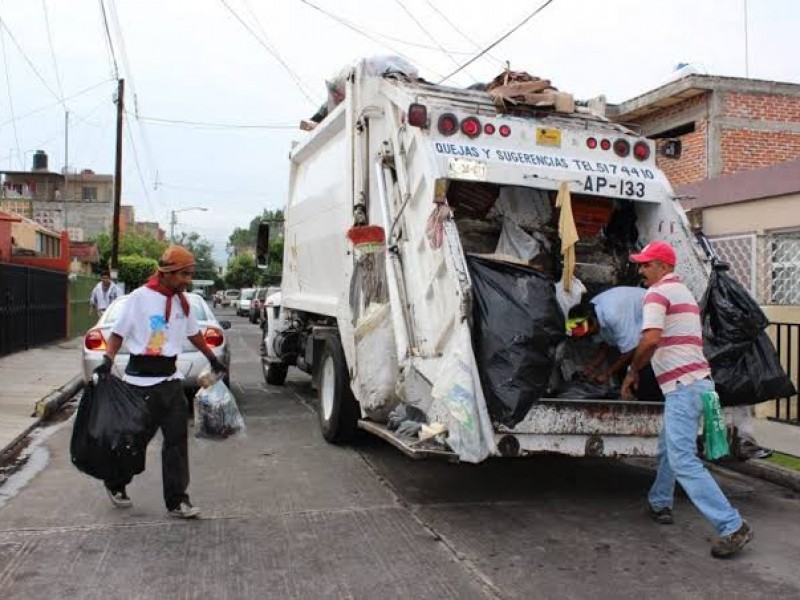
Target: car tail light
(605, 144)
(591, 143)
(213, 337)
(471, 127)
(448, 124)
(488, 129)
(622, 148)
(505, 130)
(641, 151)
(94, 340)
(418, 115)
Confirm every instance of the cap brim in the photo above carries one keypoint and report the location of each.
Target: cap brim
(640, 258)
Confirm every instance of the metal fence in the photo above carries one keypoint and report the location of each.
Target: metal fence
(80, 289)
(33, 307)
(768, 265)
(787, 340)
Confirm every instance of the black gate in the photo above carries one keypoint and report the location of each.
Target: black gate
(787, 342)
(33, 307)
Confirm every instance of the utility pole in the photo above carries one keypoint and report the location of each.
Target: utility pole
(172, 226)
(117, 176)
(64, 195)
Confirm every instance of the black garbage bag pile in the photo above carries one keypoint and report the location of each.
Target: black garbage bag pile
(584, 389)
(744, 363)
(111, 430)
(517, 326)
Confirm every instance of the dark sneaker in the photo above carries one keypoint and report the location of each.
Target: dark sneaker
(119, 498)
(747, 449)
(662, 516)
(185, 511)
(729, 545)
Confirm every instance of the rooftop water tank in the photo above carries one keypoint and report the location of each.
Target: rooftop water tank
(40, 161)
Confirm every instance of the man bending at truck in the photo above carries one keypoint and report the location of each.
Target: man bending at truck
(615, 316)
(154, 321)
(672, 340)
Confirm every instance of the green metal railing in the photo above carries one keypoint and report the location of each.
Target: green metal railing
(80, 288)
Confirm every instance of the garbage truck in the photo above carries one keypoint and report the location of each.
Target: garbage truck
(435, 239)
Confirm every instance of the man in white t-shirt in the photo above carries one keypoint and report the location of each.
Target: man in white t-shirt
(153, 323)
(103, 294)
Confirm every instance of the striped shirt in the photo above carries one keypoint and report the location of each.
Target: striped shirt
(670, 307)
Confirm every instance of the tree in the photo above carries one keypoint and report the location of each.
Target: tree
(244, 239)
(130, 244)
(135, 270)
(242, 272)
(202, 249)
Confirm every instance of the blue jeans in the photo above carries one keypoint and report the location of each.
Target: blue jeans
(677, 460)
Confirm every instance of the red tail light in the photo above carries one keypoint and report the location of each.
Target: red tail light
(641, 150)
(448, 124)
(488, 129)
(591, 143)
(622, 148)
(418, 115)
(94, 340)
(605, 144)
(505, 130)
(213, 337)
(471, 127)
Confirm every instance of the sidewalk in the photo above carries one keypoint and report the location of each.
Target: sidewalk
(778, 436)
(27, 377)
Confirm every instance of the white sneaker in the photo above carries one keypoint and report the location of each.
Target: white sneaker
(185, 511)
(119, 499)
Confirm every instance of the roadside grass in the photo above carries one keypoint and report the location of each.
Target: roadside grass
(785, 460)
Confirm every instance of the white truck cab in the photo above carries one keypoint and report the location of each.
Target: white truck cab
(392, 197)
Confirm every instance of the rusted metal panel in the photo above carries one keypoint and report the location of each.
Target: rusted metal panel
(576, 445)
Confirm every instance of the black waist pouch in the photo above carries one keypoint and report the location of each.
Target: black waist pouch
(141, 365)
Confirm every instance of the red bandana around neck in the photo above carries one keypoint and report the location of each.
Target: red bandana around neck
(154, 283)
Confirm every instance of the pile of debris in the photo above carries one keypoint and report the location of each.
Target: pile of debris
(515, 88)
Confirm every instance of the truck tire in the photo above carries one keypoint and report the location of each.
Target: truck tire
(338, 410)
(274, 373)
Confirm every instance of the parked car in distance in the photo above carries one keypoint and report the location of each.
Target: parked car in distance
(229, 297)
(190, 361)
(268, 303)
(255, 305)
(242, 305)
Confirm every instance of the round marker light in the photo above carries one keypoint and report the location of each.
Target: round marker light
(591, 143)
(605, 144)
(622, 148)
(641, 151)
(505, 130)
(447, 124)
(488, 129)
(471, 127)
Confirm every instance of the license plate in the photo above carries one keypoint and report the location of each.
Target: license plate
(464, 168)
(548, 137)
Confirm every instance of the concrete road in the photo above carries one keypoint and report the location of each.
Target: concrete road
(288, 516)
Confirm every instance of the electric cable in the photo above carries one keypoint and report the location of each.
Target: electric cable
(10, 99)
(460, 32)
(267, 45)
(108, 40)
(139, 170)
(53, 52)
(211, 125)
(28, 60)
(51, 105)
(498, 40)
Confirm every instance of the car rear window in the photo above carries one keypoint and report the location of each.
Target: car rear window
(247, 294)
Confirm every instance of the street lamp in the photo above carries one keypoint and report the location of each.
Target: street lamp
(173, 220)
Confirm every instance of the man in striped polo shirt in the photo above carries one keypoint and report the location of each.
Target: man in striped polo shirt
(672, 340)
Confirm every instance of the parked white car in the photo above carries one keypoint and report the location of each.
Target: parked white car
(242, 305)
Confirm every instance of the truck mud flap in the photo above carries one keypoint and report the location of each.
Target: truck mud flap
(406, 446)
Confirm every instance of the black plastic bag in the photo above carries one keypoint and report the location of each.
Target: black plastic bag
(111, 430)
(517, 326)
(583, 389)
(731, 317)
(751, 375)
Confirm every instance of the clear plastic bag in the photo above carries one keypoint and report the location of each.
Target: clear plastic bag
(216, 414)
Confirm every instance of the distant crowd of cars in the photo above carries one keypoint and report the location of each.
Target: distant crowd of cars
(252, 303)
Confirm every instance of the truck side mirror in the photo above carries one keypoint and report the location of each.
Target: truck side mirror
(262, 245)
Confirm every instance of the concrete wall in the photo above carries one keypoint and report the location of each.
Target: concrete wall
(755, 216)
(93, 217)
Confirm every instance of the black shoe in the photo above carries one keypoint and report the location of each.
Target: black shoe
(185, 510)
(119, 498)
(662, 516)
(729, 545)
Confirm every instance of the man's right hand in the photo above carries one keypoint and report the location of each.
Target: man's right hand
(104, 368)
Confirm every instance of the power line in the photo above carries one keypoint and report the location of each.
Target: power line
(498, 40)
(267, 45)
(461, 33)
(28, 60)
(425, 31)
(48, 106)
(108, 39)
(10, 100)
(139, 170)
(211, 125)
(52, 51)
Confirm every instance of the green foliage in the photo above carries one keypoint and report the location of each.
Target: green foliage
(135, 270)
(202, 249)
(242, 272)
(243, 241)
(130, 244)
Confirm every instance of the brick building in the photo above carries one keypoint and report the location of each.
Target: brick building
(725, 124)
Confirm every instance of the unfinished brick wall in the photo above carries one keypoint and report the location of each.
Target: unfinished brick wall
(744, 149)
(762, 107)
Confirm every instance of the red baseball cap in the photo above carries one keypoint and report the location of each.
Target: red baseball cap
(655, 251)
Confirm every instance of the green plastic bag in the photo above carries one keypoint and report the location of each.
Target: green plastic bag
(715, 434)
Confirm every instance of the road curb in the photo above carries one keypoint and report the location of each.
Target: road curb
(43, 410)
(767, 471)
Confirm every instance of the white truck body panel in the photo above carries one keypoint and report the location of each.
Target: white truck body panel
(334, 169)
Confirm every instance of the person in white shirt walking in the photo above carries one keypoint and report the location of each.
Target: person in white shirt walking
(153, 323)
(103, 294)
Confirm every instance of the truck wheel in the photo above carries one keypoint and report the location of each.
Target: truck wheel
(338, 409)
(274, 373)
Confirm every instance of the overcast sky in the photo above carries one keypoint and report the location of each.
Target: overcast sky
(193, 60)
